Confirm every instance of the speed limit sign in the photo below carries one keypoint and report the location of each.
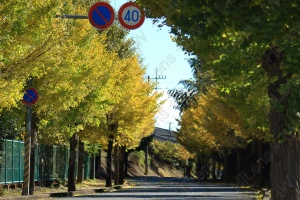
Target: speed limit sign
(131, 16)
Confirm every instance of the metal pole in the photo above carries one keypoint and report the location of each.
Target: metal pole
(25, 191)
(72, 16)
(157, 77)
(27, 147)
(66, 16)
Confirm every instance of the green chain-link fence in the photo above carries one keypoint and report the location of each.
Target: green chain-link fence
(11, 161)
(52, 162)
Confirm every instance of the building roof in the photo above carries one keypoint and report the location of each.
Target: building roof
(164, 135)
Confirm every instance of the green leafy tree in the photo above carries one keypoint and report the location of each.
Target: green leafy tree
(249, 43)
(191, 87)
(11, 126)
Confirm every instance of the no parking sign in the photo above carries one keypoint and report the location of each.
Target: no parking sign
(30, 97)
(101, 15)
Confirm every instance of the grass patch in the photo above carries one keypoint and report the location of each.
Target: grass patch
(2, 192)
(10, 192)
(260, 195)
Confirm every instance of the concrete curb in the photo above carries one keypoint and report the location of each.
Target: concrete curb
(266, 194)
(265, 191)
(64, 194)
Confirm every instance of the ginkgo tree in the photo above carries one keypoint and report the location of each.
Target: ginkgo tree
(254, 41)
(77, 90)
(132, 115)
(35, 44)
(81, 80)
(90, 85)
(213, 125)
(26, 40)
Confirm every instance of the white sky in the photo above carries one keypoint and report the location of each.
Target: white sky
(158, 51)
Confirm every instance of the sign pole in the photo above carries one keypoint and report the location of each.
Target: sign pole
(25, 191)
(27, 148)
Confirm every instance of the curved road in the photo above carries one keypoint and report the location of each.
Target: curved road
(173, 188)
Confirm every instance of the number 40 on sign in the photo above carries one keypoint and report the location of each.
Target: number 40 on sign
(134, 16)
(130, 16)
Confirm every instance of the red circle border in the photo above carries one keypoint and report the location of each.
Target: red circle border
(109, 7)
(37, 97)
(139, 24)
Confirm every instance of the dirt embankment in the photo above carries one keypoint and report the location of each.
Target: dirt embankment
(136, 167)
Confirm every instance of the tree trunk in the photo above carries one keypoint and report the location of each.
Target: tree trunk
(266, 170)
(100, 163)
(34, 130)
(80, 166)
(108, 162)
(113, 128)
(239, 161)
(126, 164)
(285, 175)
(116, 164)
(189, 169)
(225, 175)
(204, 169)
(284, 157)
(146, 160)
(260, 181)
(72, 162)
(213, 170)
(218, 170)
(200, 173)
(93, 165)
(122, 165)
(98, 166)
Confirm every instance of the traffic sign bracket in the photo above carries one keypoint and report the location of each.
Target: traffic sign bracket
(130, 16)
(72, 16)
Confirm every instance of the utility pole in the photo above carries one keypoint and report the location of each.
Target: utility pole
(156, 78)
(170, 125)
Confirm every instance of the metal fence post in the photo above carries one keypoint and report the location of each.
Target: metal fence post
(5, 164)
(42, 158)
(19, 152)
(12, 161)
(53, 161)
(67, 162)
(37, 163)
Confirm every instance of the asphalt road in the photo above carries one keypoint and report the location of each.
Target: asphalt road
(173, 188)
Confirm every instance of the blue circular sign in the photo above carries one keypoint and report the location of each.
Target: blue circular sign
(30, 97)
(101, 15)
